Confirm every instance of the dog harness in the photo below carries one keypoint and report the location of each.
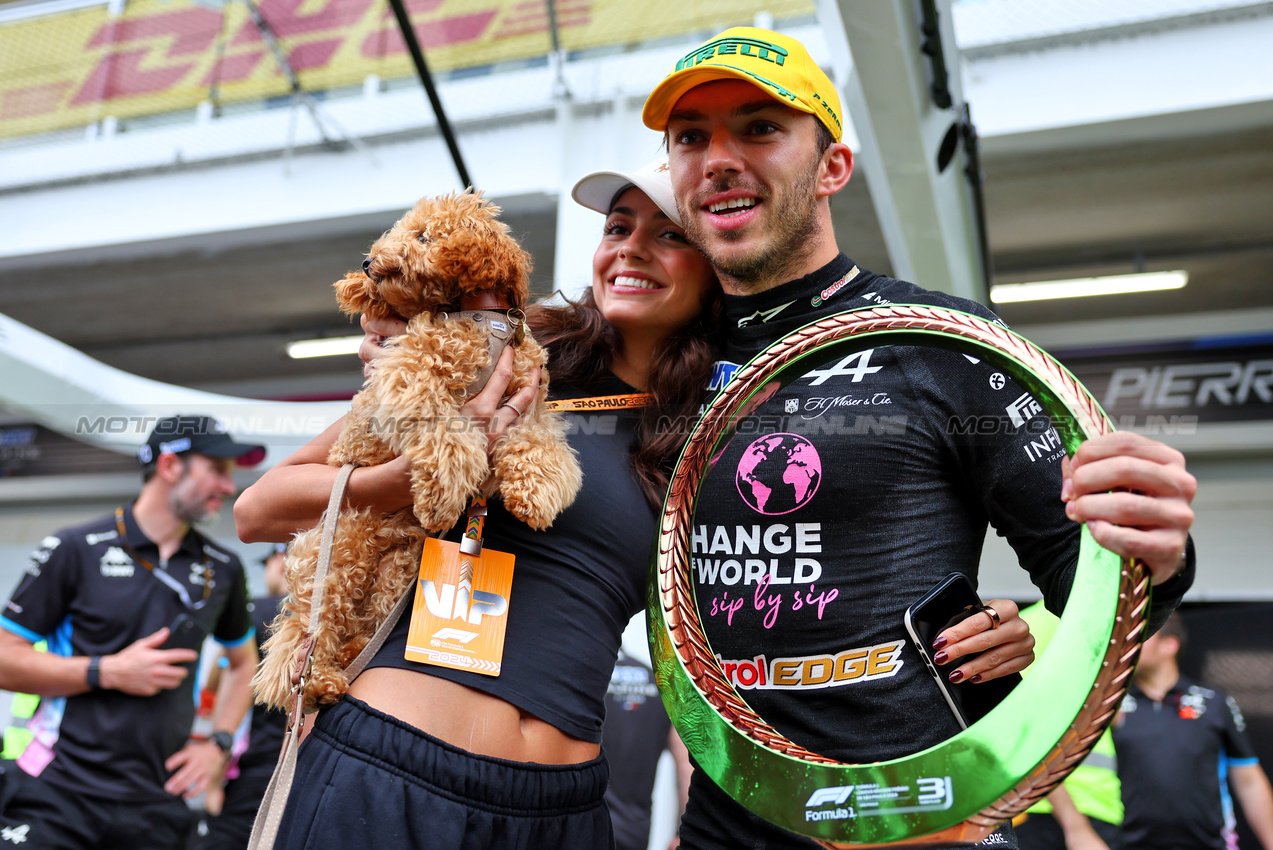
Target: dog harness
(504, 326)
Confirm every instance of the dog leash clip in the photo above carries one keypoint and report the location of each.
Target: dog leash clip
(518, 320)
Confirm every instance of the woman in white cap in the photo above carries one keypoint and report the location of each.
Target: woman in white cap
(429, 757)
(424, 756)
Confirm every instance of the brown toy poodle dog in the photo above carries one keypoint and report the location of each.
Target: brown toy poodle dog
(444, 255)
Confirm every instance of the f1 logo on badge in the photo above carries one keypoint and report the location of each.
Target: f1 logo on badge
(454, 634)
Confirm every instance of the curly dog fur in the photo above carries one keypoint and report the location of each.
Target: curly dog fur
(439, 250)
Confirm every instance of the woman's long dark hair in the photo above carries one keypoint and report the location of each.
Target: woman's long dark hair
(581, 346)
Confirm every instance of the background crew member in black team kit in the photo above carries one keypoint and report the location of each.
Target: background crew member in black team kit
(111, 758)
(637, 730)
(812, 538)
(248, 775)
(1179, 747)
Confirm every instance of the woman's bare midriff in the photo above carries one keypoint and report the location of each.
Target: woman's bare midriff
(466, 718)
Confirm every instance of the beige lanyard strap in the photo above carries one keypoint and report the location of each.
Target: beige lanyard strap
(273, 804)
(160, 572)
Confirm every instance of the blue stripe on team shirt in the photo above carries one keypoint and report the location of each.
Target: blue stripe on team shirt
(20, 631)
(231, 644)
(1226, 804)
(60, 640)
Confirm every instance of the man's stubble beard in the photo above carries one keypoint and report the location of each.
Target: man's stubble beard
(792, 226)
(190, 511)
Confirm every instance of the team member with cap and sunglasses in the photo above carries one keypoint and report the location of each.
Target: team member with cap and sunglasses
(111, 759)
(884, 496)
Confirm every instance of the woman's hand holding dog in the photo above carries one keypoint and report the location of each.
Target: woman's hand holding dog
(488, 410)
(376, 332)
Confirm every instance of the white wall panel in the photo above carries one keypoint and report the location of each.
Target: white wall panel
(1233, 532)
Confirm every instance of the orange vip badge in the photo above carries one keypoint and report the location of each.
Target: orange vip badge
(461, 608)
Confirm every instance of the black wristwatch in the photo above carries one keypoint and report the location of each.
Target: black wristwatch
(94, 675)
(222, 739)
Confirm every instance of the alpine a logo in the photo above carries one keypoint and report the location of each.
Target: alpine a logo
(826, 294)
(855, 366)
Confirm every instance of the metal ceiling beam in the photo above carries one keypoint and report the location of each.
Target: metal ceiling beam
(426, 79)
(929, 217)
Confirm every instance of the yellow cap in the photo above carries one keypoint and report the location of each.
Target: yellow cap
(774, 63)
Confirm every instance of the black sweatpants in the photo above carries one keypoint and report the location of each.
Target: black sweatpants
(364, 779)
(40, 816)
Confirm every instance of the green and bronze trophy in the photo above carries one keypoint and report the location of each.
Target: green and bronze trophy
(966, 786)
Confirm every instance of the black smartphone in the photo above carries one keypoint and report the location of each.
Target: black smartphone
(185, 633)
(952, 601)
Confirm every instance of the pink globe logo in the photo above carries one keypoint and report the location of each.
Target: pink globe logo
(778, 474)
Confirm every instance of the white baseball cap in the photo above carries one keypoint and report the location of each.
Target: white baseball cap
(597, 190)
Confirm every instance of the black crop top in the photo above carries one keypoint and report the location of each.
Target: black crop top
(575, 586)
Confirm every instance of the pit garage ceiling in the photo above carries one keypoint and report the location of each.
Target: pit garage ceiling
(1188, 190)
(219, 315)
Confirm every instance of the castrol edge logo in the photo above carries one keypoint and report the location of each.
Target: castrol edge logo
(813, 672)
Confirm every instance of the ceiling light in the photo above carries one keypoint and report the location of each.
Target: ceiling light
(1085, 286)
(324, 347)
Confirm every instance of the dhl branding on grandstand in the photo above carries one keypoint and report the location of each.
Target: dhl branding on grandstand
(74, 68)
(813, 672)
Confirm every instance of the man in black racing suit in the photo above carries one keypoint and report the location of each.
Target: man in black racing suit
(863, 482)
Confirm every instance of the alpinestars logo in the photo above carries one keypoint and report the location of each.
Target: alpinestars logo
(116, 564)
(762, 316)
(15, 834)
